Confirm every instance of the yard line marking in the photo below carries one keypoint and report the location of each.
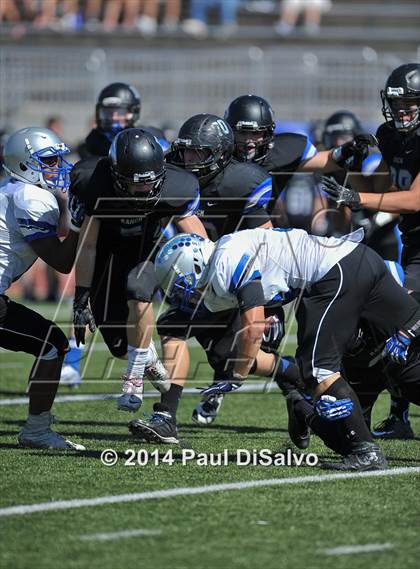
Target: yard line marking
(120, 534)
(247, 388)
(350, 549)
(191, 490)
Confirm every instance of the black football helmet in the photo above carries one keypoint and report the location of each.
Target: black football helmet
(251, 114)
(339, 128)
(118, 107)
(401, 98)
(138, 167)
(212, 139)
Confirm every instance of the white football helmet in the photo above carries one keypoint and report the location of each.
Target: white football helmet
(181, 268)
(35, 155)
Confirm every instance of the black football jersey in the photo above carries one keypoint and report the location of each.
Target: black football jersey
(289, 150)
(236, 198)
(120, 219)
(402, 156)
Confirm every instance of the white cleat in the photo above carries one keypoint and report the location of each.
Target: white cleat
(70, 376)
(207, 410)
(42, 437)
(132, 396)
(155, 371)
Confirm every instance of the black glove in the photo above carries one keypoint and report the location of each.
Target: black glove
(77, 212)
(351, 154)
(340, 194)
(82, 315)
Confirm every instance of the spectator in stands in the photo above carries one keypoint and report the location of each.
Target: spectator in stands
(196, 25)
(114, 10)
(291, 9)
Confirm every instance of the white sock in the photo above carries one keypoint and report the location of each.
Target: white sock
(137, 358)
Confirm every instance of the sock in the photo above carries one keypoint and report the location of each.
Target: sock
(172, 398)
(74, 356)
(353, 428)
(325, 430)
(399, 408)
(136, 362)
(287, 375)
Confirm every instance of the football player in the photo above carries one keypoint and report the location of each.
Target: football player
(127, 196)
(339, 279)
(252, 120)
(34, 160)
(118, 107)
(234, 196)
(399, 143)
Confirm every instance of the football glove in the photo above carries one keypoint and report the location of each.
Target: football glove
(222, 387)
(333, 409)
(351, 154)
(82, 315)
(397, 348)
(340, 194)
(77, 212)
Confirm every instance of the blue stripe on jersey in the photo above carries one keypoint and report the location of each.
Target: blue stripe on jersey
(397, 234)
(168, 231)
(35, 224)
(396, 271)
(192, 206)
(309, 151)
(39, 235)
(239, 273)
(260, 196)
(370, 164)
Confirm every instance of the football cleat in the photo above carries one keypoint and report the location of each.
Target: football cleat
(70, 376)
(393, 428)
(40, 435)
(155, 371)
(161, 428)
(299, 431)
(132, 396)
(207, 410)
(366, 456)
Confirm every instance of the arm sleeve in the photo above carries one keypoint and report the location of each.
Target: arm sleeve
(38, 216)
(250, 295)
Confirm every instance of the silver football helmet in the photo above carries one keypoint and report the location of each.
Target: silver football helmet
(182, 268)
(36, 156)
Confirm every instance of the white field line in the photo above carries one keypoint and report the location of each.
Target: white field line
(247, 388)
(351, 549)
(120, 534)
(192, 490)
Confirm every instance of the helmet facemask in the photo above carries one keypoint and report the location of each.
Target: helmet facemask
(49, 163)
(401, 112)
(112, 119)
(252, 143)
(142, 192)
(203, 161)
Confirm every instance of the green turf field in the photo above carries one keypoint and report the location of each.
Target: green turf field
(289, 525)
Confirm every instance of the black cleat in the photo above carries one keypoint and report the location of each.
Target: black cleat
(393, 428)
(161, 428)
(366, 456)
(299, 431)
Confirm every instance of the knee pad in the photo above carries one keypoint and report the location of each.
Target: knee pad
(142, 282)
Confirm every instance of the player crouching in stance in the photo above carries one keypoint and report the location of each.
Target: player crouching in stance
(341, 281)
(29, 217)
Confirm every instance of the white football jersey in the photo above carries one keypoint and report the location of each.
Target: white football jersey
(27, 213)
(284, 260)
